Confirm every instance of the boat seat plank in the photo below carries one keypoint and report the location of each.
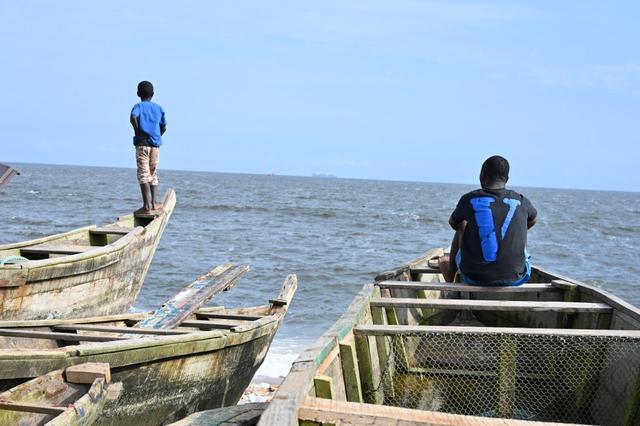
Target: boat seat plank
(111, 230)
(32, 408)
(114, 329)
(414, 285)
(53, 335)
(491, 305)
(424, 270)
(388, 330)
(55, 249)
(236, 317)
(210, 324)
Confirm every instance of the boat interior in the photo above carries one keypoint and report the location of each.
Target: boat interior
(551, 350)
(74, 242)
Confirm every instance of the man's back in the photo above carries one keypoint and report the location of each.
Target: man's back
(493, 243)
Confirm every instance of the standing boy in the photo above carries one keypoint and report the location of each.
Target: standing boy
(149, 124)
(491, 226)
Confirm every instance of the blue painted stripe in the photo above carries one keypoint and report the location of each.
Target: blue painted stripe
(513, 205)
(484, 219)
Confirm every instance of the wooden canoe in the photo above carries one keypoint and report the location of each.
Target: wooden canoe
(6, 174)
(71, 397)
(412, 349)
(89, 271)
(205, 362)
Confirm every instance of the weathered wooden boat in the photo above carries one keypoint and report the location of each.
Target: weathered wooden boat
(237, 415)
(71, 397)
(6, 174)
(85, 272)
(412, 349)
(171, 363)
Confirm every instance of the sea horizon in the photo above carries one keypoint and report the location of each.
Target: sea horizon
(311, 175)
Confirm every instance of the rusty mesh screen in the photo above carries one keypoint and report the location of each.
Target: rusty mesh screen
(530, 377)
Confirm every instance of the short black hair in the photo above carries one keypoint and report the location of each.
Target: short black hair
(496, 168)
(145, 89)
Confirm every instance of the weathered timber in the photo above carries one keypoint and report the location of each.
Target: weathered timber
(57, 401)
(325, 411)
(88, 372)
(349, 364)
(54, 249)
(111, 230)
(52, 335)
(100, 275)
(404, 271)
(323, 386)
(6, 174)
(211, 325)
(411, 285)
(493, 305)
(114, 329)
(228, 316)
(391, 330)
(31, 408)
(179, 307)
(238, 415)
(209, 369)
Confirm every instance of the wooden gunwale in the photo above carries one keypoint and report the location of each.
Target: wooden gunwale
(604, 296)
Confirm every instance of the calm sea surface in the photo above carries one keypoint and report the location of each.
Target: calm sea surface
(335, 234)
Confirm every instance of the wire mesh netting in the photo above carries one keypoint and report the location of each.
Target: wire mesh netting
(574, 379)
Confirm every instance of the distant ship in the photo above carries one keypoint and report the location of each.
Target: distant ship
(324, 175)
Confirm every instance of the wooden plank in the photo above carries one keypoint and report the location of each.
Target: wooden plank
(632, 410)
(52, 335)
(151, 215)
(365, 369)
(415, 264)
(349, 362)
(210, 324)
(114, 329)
(179, 307)
(88, 372)
(235, 317)
(323, 386)
(111, 230)
(351, 413)
(55, 249)
(491, 305)
(414, 285)
(32, 408)
(425, 270)
(383, 330)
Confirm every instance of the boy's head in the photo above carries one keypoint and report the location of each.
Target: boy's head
(495, 169)
(145, 90)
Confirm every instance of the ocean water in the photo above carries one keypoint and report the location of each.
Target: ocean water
(335, 234)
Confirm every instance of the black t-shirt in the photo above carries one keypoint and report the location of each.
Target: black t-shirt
(495, 238)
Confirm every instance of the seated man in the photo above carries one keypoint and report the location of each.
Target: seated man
(491, 223)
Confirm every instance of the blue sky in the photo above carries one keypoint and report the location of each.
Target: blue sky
(403, 90)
